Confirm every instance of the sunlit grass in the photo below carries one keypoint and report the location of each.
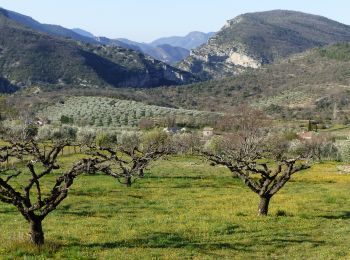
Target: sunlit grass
(187, 209)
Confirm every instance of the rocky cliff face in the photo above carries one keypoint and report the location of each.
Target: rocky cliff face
(215, 60)
(253, 39)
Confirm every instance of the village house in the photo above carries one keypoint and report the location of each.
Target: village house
(208, 132)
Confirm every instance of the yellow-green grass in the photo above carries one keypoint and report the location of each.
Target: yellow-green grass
(186, 209)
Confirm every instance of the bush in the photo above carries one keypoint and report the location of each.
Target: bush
(86, 136)
(64, 133)
(344, 151)
(66, 120)
(106, 139)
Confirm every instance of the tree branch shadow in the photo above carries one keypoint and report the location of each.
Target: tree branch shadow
(342, 215)
(167, 240)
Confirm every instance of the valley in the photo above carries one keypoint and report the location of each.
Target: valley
(220, 144)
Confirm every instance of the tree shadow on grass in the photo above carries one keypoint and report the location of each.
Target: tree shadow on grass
(177, 177)
(167, 240)
(286, 242)
(24, 249)
(7, 211)
(342, 215)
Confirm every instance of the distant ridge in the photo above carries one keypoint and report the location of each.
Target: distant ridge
(189, 41)
(171, 55)
(32, 58)
(253, 39)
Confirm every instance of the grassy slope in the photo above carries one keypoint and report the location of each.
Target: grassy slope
(185, 209)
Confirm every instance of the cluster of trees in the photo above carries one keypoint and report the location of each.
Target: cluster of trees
(263, 160)
(23, 160)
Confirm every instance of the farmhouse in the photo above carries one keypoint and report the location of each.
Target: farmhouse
(208, 132)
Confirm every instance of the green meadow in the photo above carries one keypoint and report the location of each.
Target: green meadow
(186, 209)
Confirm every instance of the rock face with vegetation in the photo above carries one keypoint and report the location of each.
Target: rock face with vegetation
(253, 39)
(32, 58)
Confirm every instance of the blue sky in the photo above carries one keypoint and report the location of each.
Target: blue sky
(146, 20)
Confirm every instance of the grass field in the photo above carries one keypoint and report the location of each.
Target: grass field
(186, 209)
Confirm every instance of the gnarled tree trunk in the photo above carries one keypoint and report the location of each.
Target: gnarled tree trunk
(36, 232)
(264, 205)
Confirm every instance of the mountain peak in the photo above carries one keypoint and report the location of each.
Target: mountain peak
(190, 41)
(3, 12)
(83, 32)
(252, 39)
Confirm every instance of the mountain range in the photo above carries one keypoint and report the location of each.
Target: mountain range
(253, 39)
(35, 58)
(170, 50)
(189, 41)
(286, 62)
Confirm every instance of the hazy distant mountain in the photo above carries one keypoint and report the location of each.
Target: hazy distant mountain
(172, 57)
(83, 32)
(114, 42)
(55, 30)
(252, 39)
(164, 52)
(171, 54)
(190, 41)
(32, 58)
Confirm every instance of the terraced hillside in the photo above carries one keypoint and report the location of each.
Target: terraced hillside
(114, 113)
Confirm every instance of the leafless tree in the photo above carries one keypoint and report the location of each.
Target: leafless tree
(187, 143)
(259, 158)
(24, 183)
(128, 160)
(319, 147)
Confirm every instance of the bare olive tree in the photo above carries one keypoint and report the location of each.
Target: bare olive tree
(127, 160)
(255, 155)
(24, 173)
